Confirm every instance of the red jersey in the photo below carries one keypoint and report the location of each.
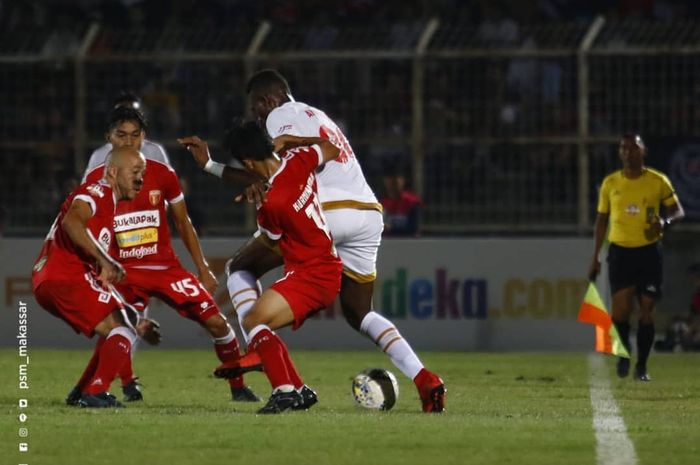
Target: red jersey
(142, 234)
(60, 259)
(291, 213)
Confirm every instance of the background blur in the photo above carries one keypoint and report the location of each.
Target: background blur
(503, 114)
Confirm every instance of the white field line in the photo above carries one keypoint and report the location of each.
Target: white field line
(613, 445)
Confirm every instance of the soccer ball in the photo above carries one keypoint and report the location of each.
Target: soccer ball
(375, 388)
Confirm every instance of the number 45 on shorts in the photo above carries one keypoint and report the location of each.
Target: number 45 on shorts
(186, 287)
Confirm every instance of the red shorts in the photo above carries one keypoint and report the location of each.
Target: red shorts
(82, 303)
(308, 290)
(175, 286)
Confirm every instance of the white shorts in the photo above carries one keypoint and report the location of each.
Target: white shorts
(357, 235)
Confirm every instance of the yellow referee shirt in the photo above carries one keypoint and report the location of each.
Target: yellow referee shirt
(633, 204)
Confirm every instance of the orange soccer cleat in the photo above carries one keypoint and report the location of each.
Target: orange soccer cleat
(431, 390)
(237, 367)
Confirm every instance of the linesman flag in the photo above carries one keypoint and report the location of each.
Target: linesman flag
(593, 311)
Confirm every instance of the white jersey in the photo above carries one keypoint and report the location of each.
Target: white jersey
(149, 150)
(341, 183)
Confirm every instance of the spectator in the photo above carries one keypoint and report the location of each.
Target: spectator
(402, 207)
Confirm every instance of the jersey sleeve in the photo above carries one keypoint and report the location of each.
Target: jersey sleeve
(668, 195)
(155, 152)
(281, 121)
(604, 197)
(268, 225)
(95, 196)
(172, 191)
(307, 158)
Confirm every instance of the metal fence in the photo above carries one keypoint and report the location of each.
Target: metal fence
(500, 131)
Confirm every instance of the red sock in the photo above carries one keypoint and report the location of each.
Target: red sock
(89, 371)
(273, 355)
(226, 352)
(114, 353)
(127, 372)
(291, 369)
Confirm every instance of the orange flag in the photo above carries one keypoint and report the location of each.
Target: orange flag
(593, 311)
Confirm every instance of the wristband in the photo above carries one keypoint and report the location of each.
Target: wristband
(215, 168)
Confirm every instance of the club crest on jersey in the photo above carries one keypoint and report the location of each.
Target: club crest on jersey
(632, 209)
(154, 197)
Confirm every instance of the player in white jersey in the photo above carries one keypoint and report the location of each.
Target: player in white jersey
(149, 149)
(355, 220)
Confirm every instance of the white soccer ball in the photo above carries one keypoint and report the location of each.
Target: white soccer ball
(375, 388)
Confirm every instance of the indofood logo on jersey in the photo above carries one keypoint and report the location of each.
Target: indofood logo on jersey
(134, 220)
(138, 252)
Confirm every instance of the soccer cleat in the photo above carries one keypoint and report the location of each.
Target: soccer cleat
(100, 400)
(132, 391)
(308, 398)
(431, 390)
(281, 402)
(243, 394)
(237, 367)
(640, 374)
(73, 397)
(623, 367)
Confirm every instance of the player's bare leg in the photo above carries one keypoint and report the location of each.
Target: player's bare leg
(622, 305)
(356, 303)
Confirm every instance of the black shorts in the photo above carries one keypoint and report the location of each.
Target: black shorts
(638, 267)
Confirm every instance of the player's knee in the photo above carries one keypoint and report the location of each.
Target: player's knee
(217, 325)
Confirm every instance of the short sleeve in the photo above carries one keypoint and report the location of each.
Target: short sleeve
(310, 157)
(604, 197)
(268, 225)
(668, 195)
(156, 152)
(172, 191)
(281, 121)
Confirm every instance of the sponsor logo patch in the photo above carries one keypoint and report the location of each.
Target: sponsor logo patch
(137, 237)
(140, 219)
(138, 252)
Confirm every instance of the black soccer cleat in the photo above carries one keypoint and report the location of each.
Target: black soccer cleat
(73, 397)
(623, 367)
(132, 391)
(640, 373)
(100, 400)
(281, 402)
(244, 394)
(308, 398)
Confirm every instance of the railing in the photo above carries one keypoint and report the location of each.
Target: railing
(505, 130)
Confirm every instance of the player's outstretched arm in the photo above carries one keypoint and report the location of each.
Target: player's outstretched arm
(200, 152)
(188, 234)
(286, 141)
(75, 225)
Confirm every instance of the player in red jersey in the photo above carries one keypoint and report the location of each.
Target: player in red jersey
(73, 275)
(144, 248)
(290, 216)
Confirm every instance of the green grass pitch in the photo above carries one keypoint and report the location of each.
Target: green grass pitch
(502, 408)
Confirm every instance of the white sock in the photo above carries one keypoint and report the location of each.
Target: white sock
(230, 336)
(128, 334)
(244, 291)
(389, 340)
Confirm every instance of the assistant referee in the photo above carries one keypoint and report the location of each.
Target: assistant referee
(630, 203)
